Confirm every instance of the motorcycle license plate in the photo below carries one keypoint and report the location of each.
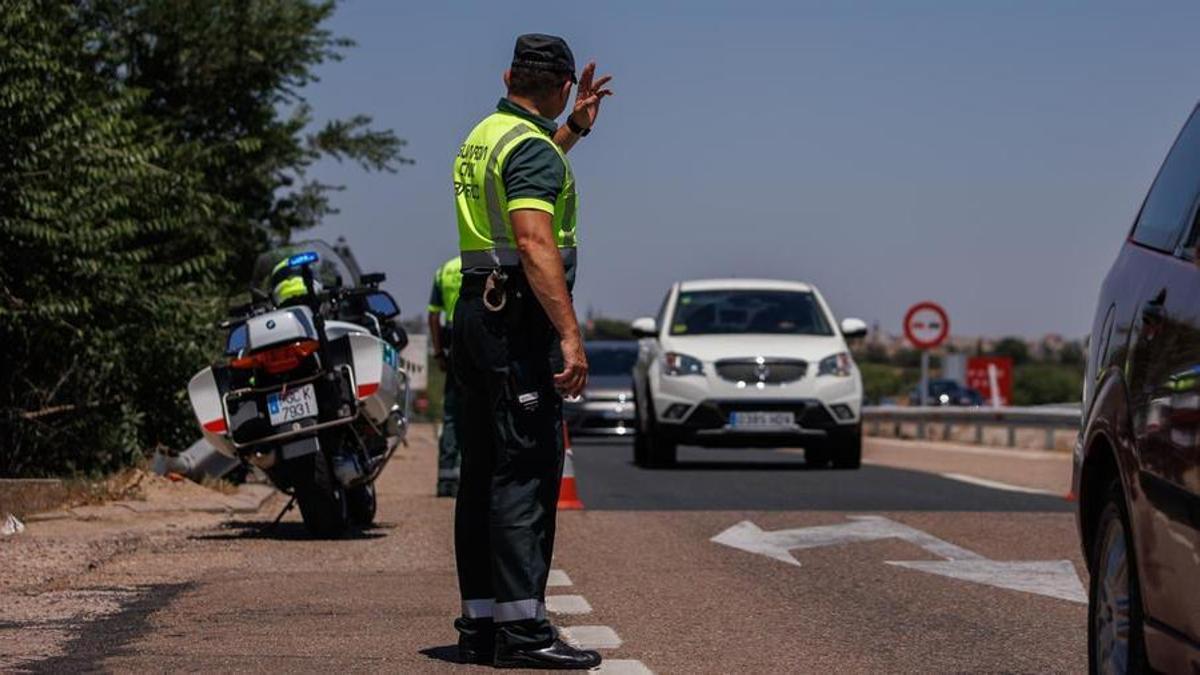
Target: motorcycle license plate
(762, 420)
(295, 404)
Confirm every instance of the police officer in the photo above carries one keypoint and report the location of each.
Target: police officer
(447, 281)
(517, 352)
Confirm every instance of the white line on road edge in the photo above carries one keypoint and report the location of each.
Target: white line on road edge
(997, 485)
(591, 637)
(567, 604)
(623, 667)
(558, 578)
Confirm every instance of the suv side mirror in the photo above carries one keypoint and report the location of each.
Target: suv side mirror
(854, 328)
(381, 304)
(645, 327)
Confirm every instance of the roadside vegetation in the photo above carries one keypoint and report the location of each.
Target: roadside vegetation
(1054, 378)
(149, 151)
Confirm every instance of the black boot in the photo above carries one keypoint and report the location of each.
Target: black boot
(558, 656)
(476, 641)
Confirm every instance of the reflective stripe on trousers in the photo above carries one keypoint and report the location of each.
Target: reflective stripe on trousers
(516, 610)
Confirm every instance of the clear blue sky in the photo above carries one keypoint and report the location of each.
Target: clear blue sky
(986, 155)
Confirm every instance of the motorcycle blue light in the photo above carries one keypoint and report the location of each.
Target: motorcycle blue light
(306, 258)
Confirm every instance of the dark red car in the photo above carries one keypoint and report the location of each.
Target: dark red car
(1137, 462)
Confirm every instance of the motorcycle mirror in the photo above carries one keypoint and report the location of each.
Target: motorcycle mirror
(383, 305)
(374, 278)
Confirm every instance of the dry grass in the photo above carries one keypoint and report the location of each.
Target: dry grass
(219, 484)
(23, 497)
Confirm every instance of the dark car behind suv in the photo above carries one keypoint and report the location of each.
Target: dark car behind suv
(1137, 462)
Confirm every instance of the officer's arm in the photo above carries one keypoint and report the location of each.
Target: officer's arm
(544, 268)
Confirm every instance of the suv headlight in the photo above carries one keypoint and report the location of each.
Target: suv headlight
(677, 364)
(837, 365)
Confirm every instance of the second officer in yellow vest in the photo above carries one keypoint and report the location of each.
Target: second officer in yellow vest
(517, 351)
(447, 281)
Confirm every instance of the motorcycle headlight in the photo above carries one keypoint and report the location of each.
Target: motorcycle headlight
(677, 364)
(837, 365)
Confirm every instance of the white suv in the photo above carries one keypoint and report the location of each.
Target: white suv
(747, 363)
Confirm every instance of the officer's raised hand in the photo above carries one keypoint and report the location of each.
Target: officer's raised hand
(589, 95)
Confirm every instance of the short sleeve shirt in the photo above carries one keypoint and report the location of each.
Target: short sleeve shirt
(533, 172)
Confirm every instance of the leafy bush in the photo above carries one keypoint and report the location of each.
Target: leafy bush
(149, 150)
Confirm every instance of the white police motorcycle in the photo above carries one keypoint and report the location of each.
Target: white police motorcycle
(311, 391)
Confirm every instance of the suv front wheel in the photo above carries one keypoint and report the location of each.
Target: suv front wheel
(1115, 621)
(650, 449)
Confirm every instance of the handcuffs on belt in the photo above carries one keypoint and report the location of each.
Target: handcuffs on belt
(494, 287)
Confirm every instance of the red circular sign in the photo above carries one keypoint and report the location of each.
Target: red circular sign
(926, 325)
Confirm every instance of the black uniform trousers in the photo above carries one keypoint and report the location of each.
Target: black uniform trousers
(510, 425)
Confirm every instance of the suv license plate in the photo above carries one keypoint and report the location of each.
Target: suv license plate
(762, 420)
(296, 404)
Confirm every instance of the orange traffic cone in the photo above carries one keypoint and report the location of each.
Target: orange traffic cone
(568, 496)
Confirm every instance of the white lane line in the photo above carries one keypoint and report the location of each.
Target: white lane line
(558, 578)
(591, 637)
(997, 485)
(623, 667)
(567, 604)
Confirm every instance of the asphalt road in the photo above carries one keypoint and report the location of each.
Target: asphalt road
(768, 480)
(732, 562)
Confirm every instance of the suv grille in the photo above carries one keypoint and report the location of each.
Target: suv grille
(767, 371)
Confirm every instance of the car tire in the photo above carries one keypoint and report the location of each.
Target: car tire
(1114, 594)
(640, 437)
(661, 453)
(656, 451)
(846, 448)
(816, 456)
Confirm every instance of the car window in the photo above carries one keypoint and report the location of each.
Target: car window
(748, 311)
(1167, 207)
(612, 360)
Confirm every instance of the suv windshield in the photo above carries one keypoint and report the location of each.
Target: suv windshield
(612, 359)
(749, 311)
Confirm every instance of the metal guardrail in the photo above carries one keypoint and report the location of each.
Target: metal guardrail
(1049, 418)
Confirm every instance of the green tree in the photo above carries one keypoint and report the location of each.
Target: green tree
(1044, 383)
(1013, 347)
(106, 259)
(601, 328)
(230, 75)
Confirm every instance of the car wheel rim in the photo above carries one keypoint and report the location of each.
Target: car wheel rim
(1113, 603)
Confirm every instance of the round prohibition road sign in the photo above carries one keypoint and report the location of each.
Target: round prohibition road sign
(926, 325)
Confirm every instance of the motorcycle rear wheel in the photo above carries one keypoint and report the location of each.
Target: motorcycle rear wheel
(323, 502)
(362, 503)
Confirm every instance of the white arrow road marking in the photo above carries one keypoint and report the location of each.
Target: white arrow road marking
(748, 537)
(1052, 578)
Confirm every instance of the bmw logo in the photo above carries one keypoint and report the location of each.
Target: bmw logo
(270, 324)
